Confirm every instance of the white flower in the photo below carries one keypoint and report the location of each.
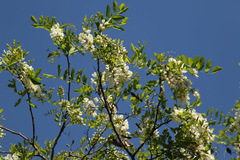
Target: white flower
(13, 157)
(86, 40)
(56, 33)
(90, 107)
(195, 72)
(33, 88)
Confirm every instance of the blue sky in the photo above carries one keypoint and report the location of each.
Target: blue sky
(202, 27)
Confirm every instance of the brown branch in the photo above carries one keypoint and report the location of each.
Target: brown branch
(32, 117)
(155, 121)
(110, 114)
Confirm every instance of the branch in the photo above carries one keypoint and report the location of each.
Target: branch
(64, 115)
(33, 123)
(155, 121)
(27, 139)
(109, 114)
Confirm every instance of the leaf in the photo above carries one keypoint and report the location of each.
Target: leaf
(59, 70)
(41, 19)
(18, 102)
(195, 61)
(35, 81)
(124, 10)
(72, 73)
(85, 19)
(208, 66)
(124, 21)
(185, 59)
(34, 19)
(37, 72)
(65, 74)
(201, 63)
(122, 6)
(108, 11)
(115, 6)
(216, 114)
(190, 61)
(216, 69)
(117, 18)
(119, 28)
(49, 76)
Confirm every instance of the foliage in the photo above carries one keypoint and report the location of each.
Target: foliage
(158, 130)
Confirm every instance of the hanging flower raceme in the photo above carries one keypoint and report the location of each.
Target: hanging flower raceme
(86, 40)
(116, 70)
(24, 77)
(73, 110)
(56, 33)
(173, 75)
(89, 106)
(197, 129)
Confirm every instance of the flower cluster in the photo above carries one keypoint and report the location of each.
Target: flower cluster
(73, 110)
(146, 128)
(89, 106)
(196, 128)
(236, 123)
(24, 77)
(173, 75)
(86, 40)
(11, 157)
(116, 69)
(121, 125)
(103, 25)
(2, 135)
(56, 33)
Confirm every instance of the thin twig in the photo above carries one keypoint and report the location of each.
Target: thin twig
(32, 117)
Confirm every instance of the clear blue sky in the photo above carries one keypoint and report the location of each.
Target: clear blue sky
(205, 28)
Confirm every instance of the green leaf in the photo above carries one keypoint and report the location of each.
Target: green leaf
(216, 69)
(190, 61)
(84, 79)
(211, 111)
(122, 6)
(108, 11)
(185, 59)
(201, 63)
(208, 66)
(124, 10)
(195, 61)
(35, 81)
(34, 19)
(49, 76)
(85, 19)
(119, 28)
(18, 102)
(216, 114)
(115, 6)
(65, 74)
(72, 73)
(37, 72)
(117, 18)
(41, 19)
(59, 70)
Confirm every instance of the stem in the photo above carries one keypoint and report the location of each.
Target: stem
(109, 114)
(33, 123)
(65, 115)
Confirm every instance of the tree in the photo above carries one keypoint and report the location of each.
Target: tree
(159, 129)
